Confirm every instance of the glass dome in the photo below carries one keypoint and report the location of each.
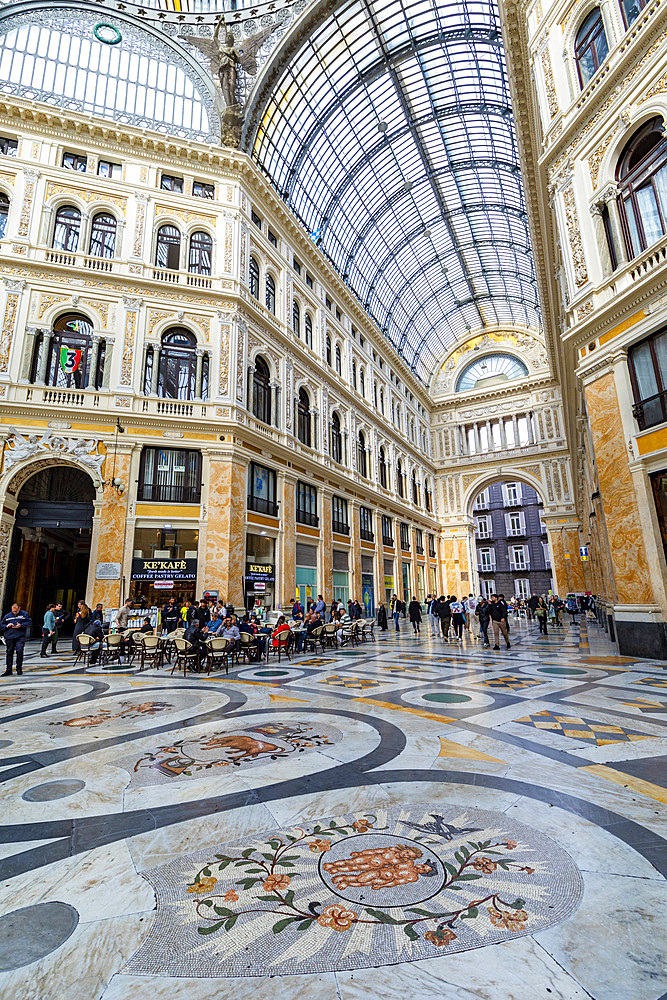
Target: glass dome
(494, 369)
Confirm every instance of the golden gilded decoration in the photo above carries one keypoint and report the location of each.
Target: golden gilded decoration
(46, 301)
(658, 88)
(186, 217)
(128, 347)
(8, 178)
(86, 194)
(595, 161)
(26, 207)
(549, 84)
(203, 322)
(140, 218)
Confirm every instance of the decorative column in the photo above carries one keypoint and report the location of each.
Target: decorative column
(109, 532)
(325, 568)
(503, 435)
(44, 357)
(94, 357)
(31, 338)
(156, 369)
(199, 371)
(277, 410)
(355, 582)
(478, 443)
(286, 576)
(225, 535)
(515, 428)
(13, 291)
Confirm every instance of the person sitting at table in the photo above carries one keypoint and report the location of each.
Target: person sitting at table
(147, 628)
(259, 641)
(215, 624)
(94, 629)
(230, 631)
(197, 638)
(315, 622)
(279, 630)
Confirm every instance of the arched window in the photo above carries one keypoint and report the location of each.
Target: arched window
(648, 374)
(201, 254)
(354, 374)
(4, 212)
(103, 236)
(66, 230)
(642, 177)
(261, 391)
(336, 439)
(71, 358)
(362, 468)
(168, 248)
(270, 293)
(329, 350)
(382, 465)
(303, 422)
(253, 278)
(296, 319)
(590, 46)
(339, 361)
(308, 324)
(177, 371)
(399, 478)
(415, 489)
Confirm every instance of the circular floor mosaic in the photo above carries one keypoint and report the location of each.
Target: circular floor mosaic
(28, 934)
(450, 698)
(51, 790)
(356, 891)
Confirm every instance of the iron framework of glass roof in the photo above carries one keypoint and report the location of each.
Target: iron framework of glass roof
(390, 134)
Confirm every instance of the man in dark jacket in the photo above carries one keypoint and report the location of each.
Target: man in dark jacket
(532, 604)
(14, 627)
(95, 629)
(445, 616)
(483, 612)
(415, 614)
(171, 616)
(498, 610)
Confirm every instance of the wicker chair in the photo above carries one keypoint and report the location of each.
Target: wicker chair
(249, 650)
(330, 635)
(84, 651)
(219, 651)
(112, 650)
(134, 646)
(283, 645)
(315, 638)
(186, 656)
(151, 651)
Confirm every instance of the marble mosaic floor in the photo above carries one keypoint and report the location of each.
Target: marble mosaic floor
(408, 818)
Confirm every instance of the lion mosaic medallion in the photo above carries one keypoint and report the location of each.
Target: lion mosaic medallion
(356, 891)
(232, 749)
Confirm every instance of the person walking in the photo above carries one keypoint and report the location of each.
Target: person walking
(320, 606)
(48, 628)
(433, 608)
(483, 613)
(415, 614)
(382, 618)
(171, 616)
(531, 606)
(61, 617)
(396, 610)
(14, 627)
(541, 611)
(445, 616)
(470, 606)
(498, 610)
(458, 617)
(123, 616)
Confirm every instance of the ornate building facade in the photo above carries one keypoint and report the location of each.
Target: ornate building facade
(173, 329)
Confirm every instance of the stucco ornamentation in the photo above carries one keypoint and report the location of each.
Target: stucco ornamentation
(19, 447)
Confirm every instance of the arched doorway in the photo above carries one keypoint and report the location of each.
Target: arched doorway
(50, 548)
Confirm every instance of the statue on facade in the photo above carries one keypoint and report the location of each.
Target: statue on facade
(225, 60)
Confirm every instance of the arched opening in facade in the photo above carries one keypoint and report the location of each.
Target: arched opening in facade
(511, 548)
(50, 546)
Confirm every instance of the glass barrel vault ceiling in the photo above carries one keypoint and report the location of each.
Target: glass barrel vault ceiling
(390, 134)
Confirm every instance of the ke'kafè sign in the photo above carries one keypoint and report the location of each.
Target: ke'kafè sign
(164, 569)
(258, 571)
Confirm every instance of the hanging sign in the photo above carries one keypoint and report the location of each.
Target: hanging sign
(70, 359)
(583, 552)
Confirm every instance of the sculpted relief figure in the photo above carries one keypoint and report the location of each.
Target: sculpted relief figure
(19, 447)
(225, 60)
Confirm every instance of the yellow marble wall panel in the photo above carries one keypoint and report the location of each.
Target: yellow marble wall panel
(224, 553)
(111, 535)
(286, 584)
(355, 582)
(628, 553)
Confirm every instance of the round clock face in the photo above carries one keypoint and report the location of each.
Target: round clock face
(496, 367)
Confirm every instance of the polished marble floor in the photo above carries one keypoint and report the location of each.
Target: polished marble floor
(408, 818)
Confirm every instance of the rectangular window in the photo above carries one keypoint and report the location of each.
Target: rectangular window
(482, 500)
(170, 475)
(405, 537)
(309, 280)
(387, 530)
(487, 560)
(170, 183)
(200, 189)
(297, 265)
(9, 147)
(419, 541)
(306, 504)
(521, 587)
(256, 219)
(546, 554)
(484, 526)
(488, 587)
(339, 522)
(262, 490)
(75, 161)
(327, 302)
(519, 558)
(339, 316)
(431, 546)
(273, 239)
(515, 523)
(512, 494)
(366, 524)
(105, 168)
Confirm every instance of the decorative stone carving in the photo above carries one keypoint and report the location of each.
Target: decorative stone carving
(9, 321)
(574, 237)
(19, 447)
(549, 85)
(28, 195)
(132, 306)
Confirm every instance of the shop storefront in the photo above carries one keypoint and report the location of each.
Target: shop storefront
(389, 582)
(406, 595)
(306, 573)
(421, 593)
(367, 589)
(341, 575)
(164, 565)
(260, 574)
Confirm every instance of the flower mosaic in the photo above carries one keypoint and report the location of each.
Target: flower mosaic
(356, 891)
(221, 750)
